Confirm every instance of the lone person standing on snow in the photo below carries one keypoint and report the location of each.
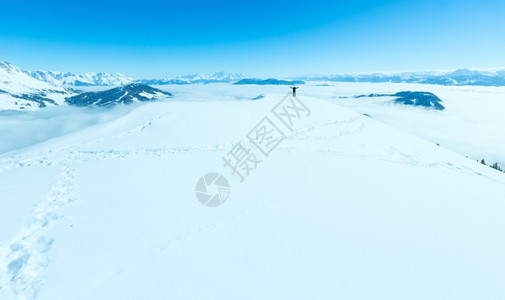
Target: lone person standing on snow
(294, 90)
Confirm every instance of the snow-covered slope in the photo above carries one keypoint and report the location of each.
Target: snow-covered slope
(18, 90)
(345, 208)
(86, 79)
(130, 93)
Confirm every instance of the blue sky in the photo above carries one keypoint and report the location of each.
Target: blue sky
(262, 38)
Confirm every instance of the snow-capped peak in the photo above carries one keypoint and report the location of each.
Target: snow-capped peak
(18, 90)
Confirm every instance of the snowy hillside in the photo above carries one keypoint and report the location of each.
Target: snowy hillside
(79, 80)
(20, 91)
(133, 92)
(345, 207)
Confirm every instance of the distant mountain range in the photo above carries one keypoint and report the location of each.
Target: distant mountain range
(107, 79)
(270, 81)
(458, 77)
(21, 90)
(86, 79)
(194, 79)
(27, 90)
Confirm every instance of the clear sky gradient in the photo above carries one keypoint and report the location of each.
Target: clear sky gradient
(152, 38)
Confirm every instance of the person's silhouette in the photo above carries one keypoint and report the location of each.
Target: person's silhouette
(294, 90)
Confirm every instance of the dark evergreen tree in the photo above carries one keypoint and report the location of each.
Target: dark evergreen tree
(497, 167)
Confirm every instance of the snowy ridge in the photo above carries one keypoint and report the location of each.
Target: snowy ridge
(340, 192)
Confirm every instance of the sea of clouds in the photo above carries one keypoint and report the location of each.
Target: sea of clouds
(20, 129)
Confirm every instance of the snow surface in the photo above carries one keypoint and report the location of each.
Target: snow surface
(471, 125)
(346, 207)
